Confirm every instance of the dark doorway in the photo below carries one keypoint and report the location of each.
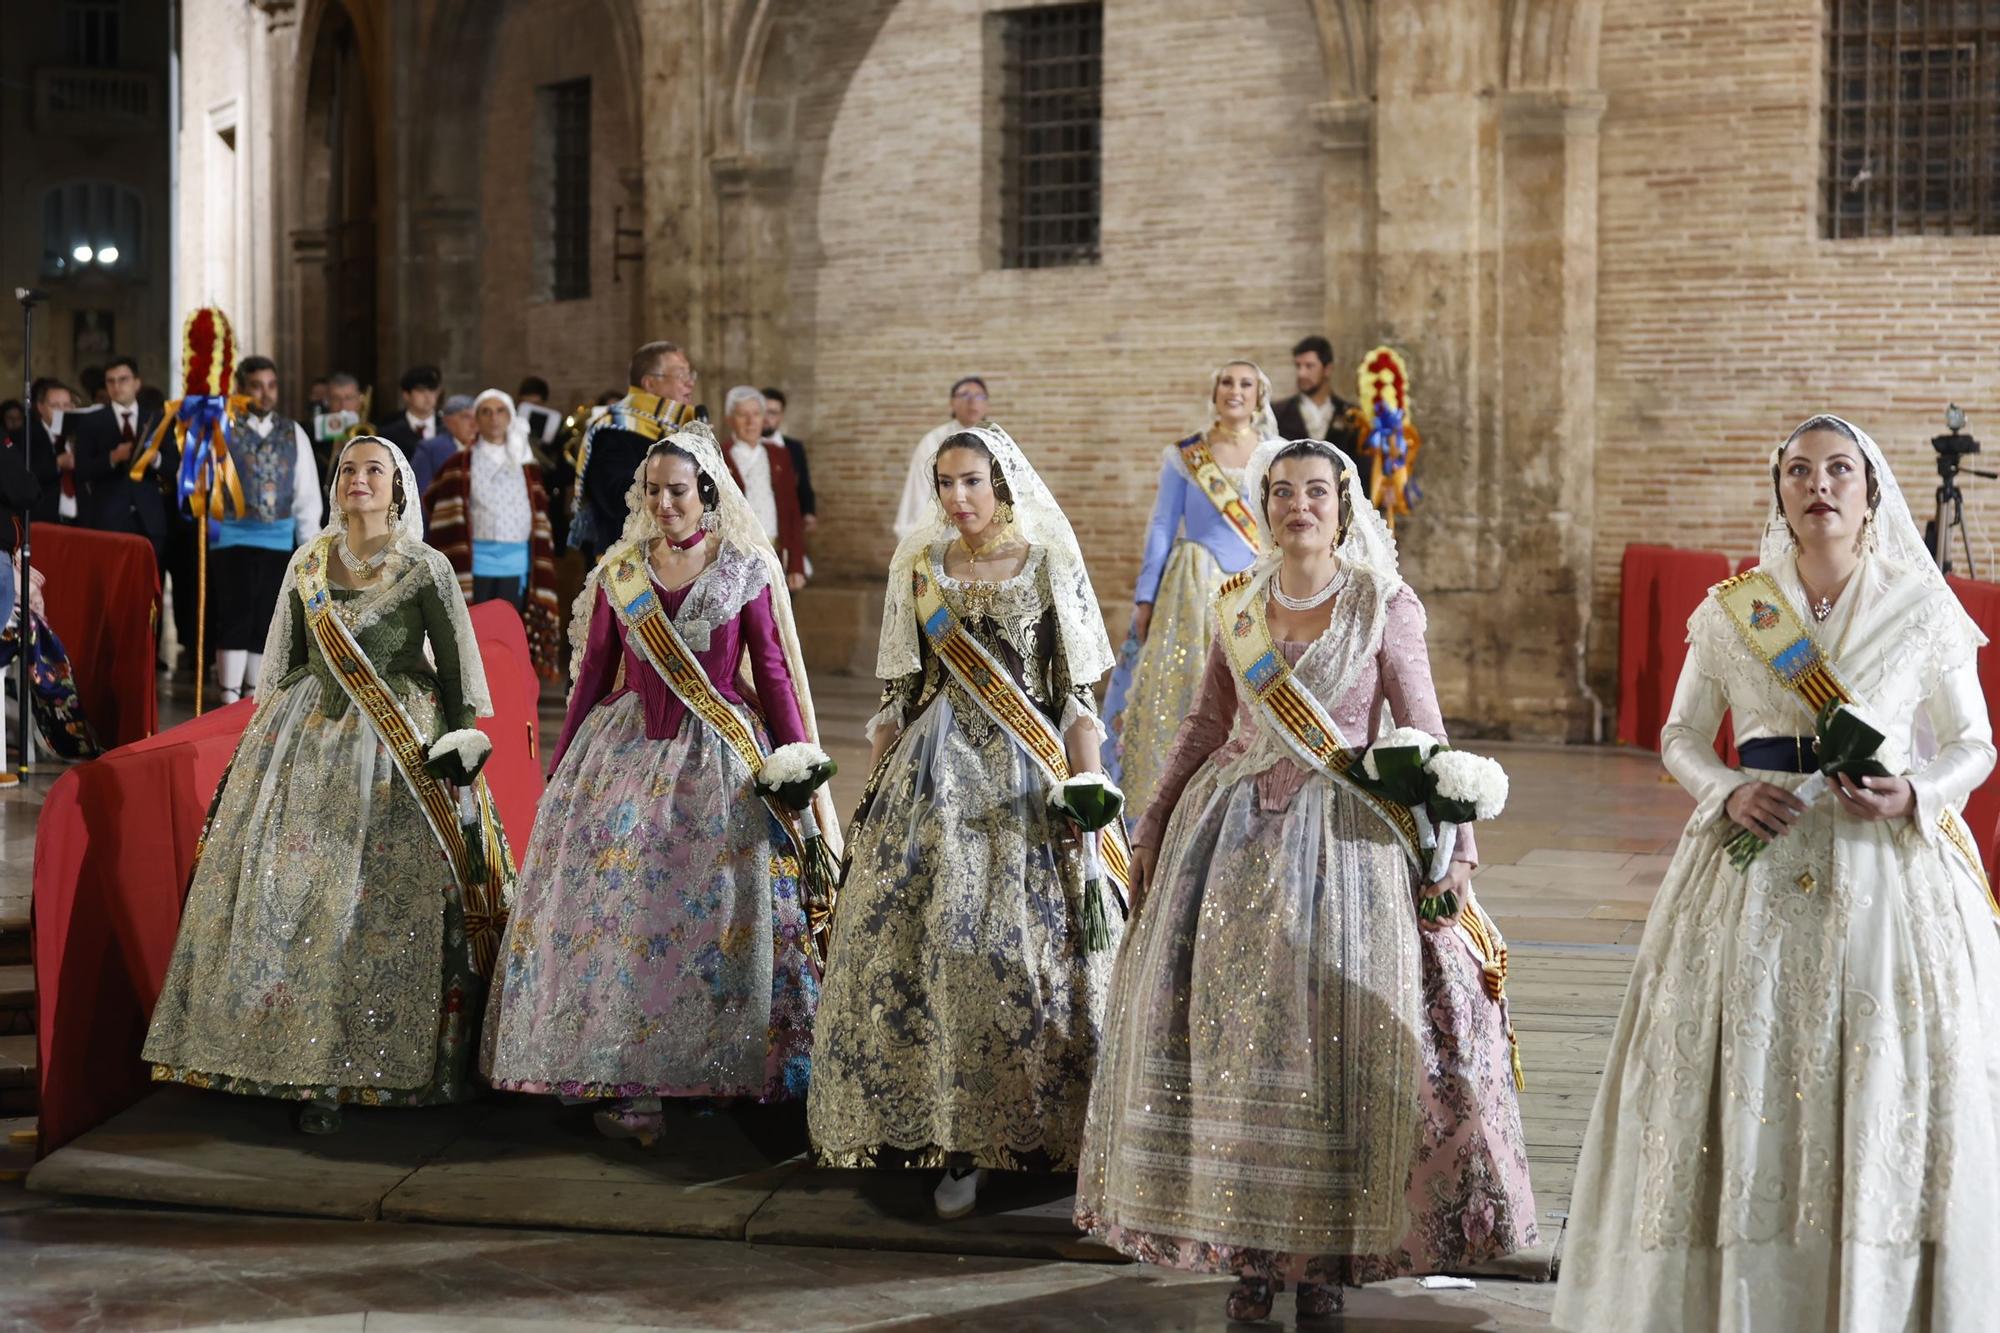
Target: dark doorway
(340, 199)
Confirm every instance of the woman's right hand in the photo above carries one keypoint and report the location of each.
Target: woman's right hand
(1142, 620)
(1767, 810)
(1143, 861)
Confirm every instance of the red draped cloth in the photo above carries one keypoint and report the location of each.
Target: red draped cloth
(103, 595)
(114, 851)
(1982, 811)
(1660, 589)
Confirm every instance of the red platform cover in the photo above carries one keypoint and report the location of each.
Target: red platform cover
(1660, 589)
(103, 594)
(113, 853)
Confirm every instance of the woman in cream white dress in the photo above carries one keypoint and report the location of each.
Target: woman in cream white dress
(1797, 1126)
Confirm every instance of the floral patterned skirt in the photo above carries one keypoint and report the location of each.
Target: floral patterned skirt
(961, 1013)
(1155, 683)
(657, 943)
(322, 951)
(1259, 1034)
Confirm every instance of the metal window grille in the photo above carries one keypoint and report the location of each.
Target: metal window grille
(569, 139)
(90, 32)
(1051, 145)
(1912, 118)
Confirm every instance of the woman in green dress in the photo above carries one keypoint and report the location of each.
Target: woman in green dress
(346, 903)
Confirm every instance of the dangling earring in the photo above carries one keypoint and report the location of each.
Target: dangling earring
(1005, 513)
(710, 520)
(1869, 536)
(395, 513)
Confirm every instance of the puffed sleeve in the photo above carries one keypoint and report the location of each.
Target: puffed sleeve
(593, 679)
(1160, 531)
(1405, 664)
(769, 671)
(1687, 741)
(1202, 732)
(1957, 713)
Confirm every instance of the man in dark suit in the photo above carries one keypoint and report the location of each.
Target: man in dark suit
(107, 440)
(774, 433)
(51, 461)
(1316, 412)
(417, 421)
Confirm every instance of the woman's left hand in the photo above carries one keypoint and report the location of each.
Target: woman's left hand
(1458, 882)
(1874, 798)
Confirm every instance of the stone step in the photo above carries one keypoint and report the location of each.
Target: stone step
(17, 1146)
(13, 937)
(17, 999)
(19, 1076)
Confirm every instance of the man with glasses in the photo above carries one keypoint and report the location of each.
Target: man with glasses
(660, 398)
(919, 502)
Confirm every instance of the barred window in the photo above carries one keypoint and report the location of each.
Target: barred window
(566, 122)
(1912, 118)
(90, 32)
(1052, 72)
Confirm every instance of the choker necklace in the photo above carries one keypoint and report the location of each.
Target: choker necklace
(980, 552)
(1302, 603)
(700, 536)
(359, 566)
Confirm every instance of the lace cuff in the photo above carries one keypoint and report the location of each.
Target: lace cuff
(888, 722)
(1076, 710)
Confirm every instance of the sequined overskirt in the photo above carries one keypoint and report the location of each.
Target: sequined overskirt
(1150, 694)
(1296, 1083)
(960, 1014)
(657, 943)
(322, 950)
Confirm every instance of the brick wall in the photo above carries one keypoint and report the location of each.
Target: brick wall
(1723, 319)
(579, 346)
(1211, 250)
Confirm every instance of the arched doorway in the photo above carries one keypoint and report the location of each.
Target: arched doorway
(337, 245)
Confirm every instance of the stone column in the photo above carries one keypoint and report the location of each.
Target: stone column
(675, 72)
(752, 263)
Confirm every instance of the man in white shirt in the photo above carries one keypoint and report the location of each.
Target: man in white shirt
(247, 556)
(107, 439)
(763, 472)
(919, 501)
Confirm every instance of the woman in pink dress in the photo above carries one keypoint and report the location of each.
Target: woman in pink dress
(659, 947)
(1301, 1080)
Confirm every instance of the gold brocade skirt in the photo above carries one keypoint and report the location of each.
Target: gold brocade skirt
(1168, 672)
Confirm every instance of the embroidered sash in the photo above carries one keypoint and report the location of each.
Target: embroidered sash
(1221, 492)
(629, 583)
(1001, 700)
(482, 878)
(1291, 710)
(1777, 636)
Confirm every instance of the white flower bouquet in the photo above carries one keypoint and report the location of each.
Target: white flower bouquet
(1090, 801)
(789, 777)
(1442, 788)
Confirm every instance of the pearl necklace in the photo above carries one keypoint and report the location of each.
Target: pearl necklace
(1303, 603)
(362, 567)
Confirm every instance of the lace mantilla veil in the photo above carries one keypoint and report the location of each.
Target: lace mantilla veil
(1040, 522)
(1368, 542)
(740, 531)
(409, 559)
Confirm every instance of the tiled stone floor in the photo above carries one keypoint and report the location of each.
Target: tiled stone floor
(1570, 871)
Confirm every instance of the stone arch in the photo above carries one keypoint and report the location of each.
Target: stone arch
(1551, 44)
(336, 187)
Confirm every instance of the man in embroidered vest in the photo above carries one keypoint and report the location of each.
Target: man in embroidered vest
(247, 555)
(662, 391)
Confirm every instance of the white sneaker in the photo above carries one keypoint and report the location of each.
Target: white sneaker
(956, 1194)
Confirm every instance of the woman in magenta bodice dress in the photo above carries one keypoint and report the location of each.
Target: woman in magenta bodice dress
(660, 944)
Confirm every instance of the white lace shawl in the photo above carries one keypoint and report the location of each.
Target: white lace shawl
(1040, 522)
